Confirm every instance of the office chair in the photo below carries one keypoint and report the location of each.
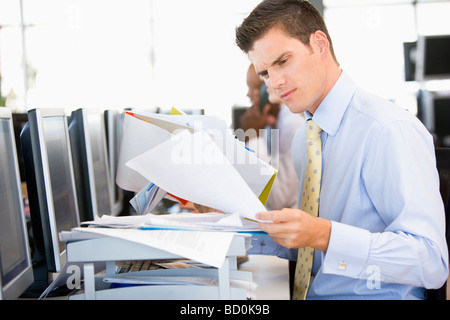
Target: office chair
(443, 166)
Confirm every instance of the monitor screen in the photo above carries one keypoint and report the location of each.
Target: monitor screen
(113, 128)
(97, 136)
(432, 58)
(92, 176)
(442, 115)
(437, 56)
(50, 184)
(237, 112)
(409, 54)
(19, 121)
(59, 165)
(15, 262)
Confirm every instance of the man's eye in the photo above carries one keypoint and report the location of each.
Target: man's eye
(283, 61)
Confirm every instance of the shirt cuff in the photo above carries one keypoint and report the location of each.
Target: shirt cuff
(265, 245)
(348, 250)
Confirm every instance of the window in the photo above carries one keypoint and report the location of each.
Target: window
(175, 53)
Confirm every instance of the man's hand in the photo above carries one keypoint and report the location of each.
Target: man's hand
(204, 209)
(294, 228)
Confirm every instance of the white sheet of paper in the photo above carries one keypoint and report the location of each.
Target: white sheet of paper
(253, 170)
(138, 136)
(205, 247)
(192, 167)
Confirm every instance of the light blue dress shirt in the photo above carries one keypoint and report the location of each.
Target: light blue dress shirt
(380, 189)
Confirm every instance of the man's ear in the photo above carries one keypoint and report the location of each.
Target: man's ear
(320, 40)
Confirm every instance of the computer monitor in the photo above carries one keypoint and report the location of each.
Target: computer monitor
(433, 54)
(436, 106)
(92, 176)
(19, 121)
(15, 262)
(51, 190)
(114, 129)
(441, 112)
(410, 58)
(237, 111)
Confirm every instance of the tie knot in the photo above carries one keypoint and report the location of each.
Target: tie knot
(312, 130)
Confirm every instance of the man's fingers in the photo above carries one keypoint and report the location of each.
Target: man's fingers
(277, 216)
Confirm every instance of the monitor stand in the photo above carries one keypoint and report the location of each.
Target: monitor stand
(42, 279)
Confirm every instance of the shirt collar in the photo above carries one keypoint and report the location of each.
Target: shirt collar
(329, 114)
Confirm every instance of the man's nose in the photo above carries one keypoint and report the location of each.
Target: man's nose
(275, 80)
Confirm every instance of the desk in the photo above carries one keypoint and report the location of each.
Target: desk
(110, 250)
(270, 274)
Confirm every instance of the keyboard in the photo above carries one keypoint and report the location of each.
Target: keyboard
(143, 265)
(134, 266)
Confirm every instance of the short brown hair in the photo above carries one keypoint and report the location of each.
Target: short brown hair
(299, 19)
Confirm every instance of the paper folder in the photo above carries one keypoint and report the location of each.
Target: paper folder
(176, 111)
(266, 191)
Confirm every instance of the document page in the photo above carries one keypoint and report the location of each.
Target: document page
(202, 246)
(138, 136)
(210, 221)
(192, 167)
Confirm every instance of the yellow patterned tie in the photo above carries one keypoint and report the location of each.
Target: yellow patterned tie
(310, 204)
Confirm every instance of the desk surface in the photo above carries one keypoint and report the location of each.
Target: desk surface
(271, 276)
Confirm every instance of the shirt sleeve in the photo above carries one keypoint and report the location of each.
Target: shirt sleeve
(265, 245)
(401, 180)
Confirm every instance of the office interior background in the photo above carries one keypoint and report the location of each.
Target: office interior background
(155, 55)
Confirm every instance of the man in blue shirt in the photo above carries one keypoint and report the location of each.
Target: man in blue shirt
(380, 231)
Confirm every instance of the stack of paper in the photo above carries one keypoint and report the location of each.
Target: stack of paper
(211, 221)
(203, 246)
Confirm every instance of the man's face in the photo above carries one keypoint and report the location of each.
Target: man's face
(254, 85)
(293, 70)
